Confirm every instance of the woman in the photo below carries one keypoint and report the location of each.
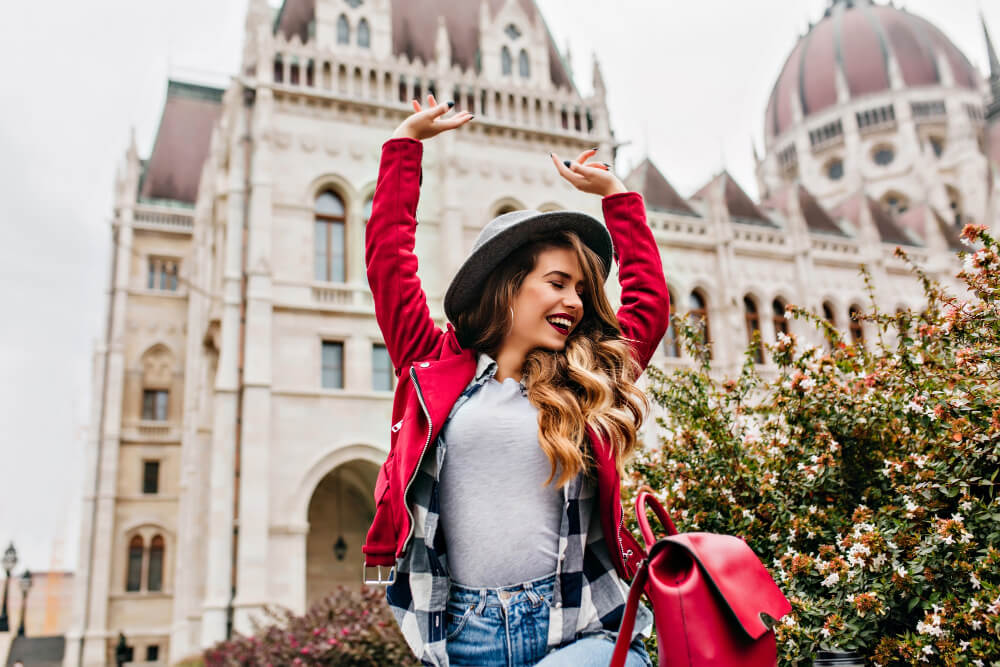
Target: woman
(499, 503)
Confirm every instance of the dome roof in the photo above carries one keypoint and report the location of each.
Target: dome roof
(858, 38)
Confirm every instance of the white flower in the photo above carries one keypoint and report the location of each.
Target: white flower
(975, 582)
(929, 650)
(974, 604)
(995, 607)
(812, 509)
(807, 383)
(831, 580)
(901, 571)
(976, 624)
(825, 632)
(957, 517)
(966, 505)
(878, 561)
(977, 662)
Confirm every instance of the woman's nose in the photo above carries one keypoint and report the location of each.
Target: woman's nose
(573, 302)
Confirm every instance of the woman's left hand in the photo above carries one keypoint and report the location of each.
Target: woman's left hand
(594, 177)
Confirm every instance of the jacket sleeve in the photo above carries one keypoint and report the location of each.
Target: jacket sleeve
(400, 303)
(645, 302)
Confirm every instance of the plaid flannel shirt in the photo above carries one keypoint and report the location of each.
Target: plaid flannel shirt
(588, 599)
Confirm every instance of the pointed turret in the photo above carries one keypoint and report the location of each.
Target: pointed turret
(993, 108)
(442, 46)
(600, 91)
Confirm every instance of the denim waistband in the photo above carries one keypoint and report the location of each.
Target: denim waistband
(465, 594)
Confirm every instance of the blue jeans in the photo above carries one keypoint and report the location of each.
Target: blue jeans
(509, 626)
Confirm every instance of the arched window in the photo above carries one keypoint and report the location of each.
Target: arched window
(857, 333)
(955, 202)
(671, 347)
(343, 30)
(134, 569)
(154, 577)
(700, 313)
(753, 326)
(505, 61)
(366, 209)
(828, 313)
(780, 320)
(364, 34)
(895, 202)
(330, 220)
(279, 69)
(524, 65)
(157, 377)
(831, 318)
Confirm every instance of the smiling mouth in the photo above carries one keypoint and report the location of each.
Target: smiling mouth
(560, 324)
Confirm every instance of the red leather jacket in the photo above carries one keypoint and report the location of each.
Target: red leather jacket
(433, 369)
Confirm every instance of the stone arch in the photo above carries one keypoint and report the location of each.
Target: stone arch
(158, 364)
(329, 181)
(550, 206)
(334, 507)
(505, 205)
(297, 509)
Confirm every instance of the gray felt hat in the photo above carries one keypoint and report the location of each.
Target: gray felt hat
(505, 234)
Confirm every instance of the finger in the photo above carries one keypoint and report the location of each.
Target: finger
(438, 111)
(603, 166)
(586, 154)
(564, 170)
(431, 102)
(456, 121)
(416, 106)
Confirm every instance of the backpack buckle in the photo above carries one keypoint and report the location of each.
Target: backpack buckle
(389, 579)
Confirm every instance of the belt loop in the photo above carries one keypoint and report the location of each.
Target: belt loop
(533, 597)
(482, 602)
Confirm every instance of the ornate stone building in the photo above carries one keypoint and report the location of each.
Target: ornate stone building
(242, 393)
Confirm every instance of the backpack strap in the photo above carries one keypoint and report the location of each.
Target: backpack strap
(628, 618)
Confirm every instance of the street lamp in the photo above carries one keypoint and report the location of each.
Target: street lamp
(123, 652)
(9, 561)
(25, 587)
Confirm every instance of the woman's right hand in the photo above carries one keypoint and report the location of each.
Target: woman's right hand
(426, 123)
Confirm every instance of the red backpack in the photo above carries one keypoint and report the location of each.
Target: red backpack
(708, 593)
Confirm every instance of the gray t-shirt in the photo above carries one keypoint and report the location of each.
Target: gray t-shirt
(501, 525)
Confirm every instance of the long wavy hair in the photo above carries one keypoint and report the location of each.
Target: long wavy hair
(589, 383)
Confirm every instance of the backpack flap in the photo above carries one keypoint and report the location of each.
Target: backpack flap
(740, 579)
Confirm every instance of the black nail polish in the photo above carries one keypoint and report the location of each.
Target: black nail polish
(606, 165)
(566, 162)
(594, 148)
(451, 104)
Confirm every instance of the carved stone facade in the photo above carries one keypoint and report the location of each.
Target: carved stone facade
(242, 398)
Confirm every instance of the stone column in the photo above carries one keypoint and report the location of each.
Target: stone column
(219, 551)
(255, 440)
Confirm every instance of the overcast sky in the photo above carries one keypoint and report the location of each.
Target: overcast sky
(687, 83)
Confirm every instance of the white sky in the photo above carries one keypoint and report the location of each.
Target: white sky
(687, 82)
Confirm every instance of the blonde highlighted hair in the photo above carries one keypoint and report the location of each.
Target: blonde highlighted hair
(588, 384)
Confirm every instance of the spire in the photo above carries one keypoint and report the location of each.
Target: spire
(993, 109)
(994, 60)
(598, 79)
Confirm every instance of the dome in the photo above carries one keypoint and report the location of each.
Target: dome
(858, 38)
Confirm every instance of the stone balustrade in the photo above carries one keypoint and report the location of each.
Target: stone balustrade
(291, 66)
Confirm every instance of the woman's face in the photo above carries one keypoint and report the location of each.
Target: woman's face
(548, 305)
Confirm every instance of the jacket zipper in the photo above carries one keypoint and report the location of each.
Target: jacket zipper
(430, 429)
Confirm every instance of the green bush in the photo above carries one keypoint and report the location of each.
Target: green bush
(349, 628)
(864, 477)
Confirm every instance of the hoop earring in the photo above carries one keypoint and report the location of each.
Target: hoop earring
(511, 326)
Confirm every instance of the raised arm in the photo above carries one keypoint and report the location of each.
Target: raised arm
(645, 301)
(644, 314)
(400, 303)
